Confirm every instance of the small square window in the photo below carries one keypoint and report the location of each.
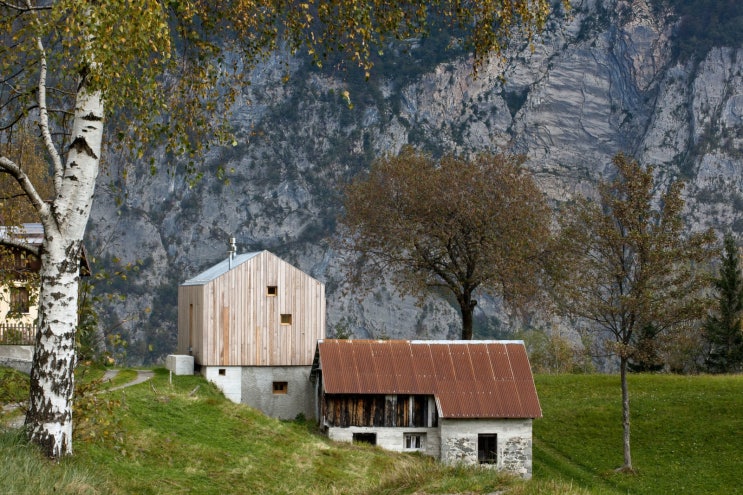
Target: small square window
(280, 387)
(415, 441)
(286, 319)
(222, 372)
(272, 290)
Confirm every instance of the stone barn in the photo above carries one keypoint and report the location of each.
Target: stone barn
(251, 323)
(470, 402)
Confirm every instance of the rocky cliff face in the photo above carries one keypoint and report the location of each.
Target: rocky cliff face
(603, 79)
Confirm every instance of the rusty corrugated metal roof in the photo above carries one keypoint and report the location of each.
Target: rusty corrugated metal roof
(470, 379)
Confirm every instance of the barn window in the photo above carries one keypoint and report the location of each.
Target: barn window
(370, 438)
(487, 448)
(286, 319)
(272, 290)
(280, 387)
(19, 300)
(415, 441)
(222, 372)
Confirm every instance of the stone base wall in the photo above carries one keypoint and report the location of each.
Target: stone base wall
(459, 443)
(391, 438)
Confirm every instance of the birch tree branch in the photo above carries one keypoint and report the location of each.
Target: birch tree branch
(9, 166)
(44, 121)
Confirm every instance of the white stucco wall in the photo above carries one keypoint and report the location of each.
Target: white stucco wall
(227, 378)
(257, 391)
(459, 442)
(390, 438)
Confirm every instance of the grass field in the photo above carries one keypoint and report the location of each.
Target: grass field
(687, 433)
(186, 438)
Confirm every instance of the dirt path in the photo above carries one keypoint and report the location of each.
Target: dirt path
(142, 376)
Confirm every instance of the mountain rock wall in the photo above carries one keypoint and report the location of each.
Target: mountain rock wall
(601, 79)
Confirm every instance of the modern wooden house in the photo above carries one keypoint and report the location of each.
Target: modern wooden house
(252, 322)
(459, 401)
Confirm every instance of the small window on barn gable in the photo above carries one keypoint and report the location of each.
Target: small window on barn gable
(272, 290)
(280, 388)
(286, 319)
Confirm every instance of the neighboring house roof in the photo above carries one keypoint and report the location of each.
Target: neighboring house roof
(30, 233)
(220, 269)
(469, 379)
(33, 235)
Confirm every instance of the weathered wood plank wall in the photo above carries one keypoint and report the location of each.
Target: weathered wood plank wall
(236, 322)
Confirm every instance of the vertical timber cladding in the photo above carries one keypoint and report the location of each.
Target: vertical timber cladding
(376, 410)
(237, 322)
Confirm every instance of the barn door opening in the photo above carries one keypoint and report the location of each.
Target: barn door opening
(370, 438)
(487, 448)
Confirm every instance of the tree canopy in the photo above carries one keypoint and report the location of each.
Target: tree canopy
(162, 70)
(628, 268)
(457, 224)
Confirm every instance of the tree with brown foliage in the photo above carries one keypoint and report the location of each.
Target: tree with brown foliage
(628, 265)
(461, 225)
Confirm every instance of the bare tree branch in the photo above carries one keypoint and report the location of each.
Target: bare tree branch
(10, 167)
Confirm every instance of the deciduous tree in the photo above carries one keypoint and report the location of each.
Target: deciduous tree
(723, 329)
(161, 69)
(628, 265)
(461, 225)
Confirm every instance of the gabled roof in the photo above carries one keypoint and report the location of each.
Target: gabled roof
(220, 269)
(469, 379)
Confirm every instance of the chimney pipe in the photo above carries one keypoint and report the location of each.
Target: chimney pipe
(233, 250)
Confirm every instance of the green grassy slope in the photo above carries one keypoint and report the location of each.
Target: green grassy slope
(687, 433)
(186, 438)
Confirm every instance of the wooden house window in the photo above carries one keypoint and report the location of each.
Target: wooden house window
(415, 441)
(286, 319)
(280, 388)
(19, 300)
(272, 290)
(487, 448)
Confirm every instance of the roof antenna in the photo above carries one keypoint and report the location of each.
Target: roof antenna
(233, 250)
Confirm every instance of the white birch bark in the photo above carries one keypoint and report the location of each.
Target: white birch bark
(49, 418)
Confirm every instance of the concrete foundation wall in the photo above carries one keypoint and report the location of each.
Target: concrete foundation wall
(18, 357)
(391, 438)
(298, 398)
(227, 379)
(459, 442)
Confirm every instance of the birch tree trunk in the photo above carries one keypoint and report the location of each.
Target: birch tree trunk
(625, 416)
(49, 417)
